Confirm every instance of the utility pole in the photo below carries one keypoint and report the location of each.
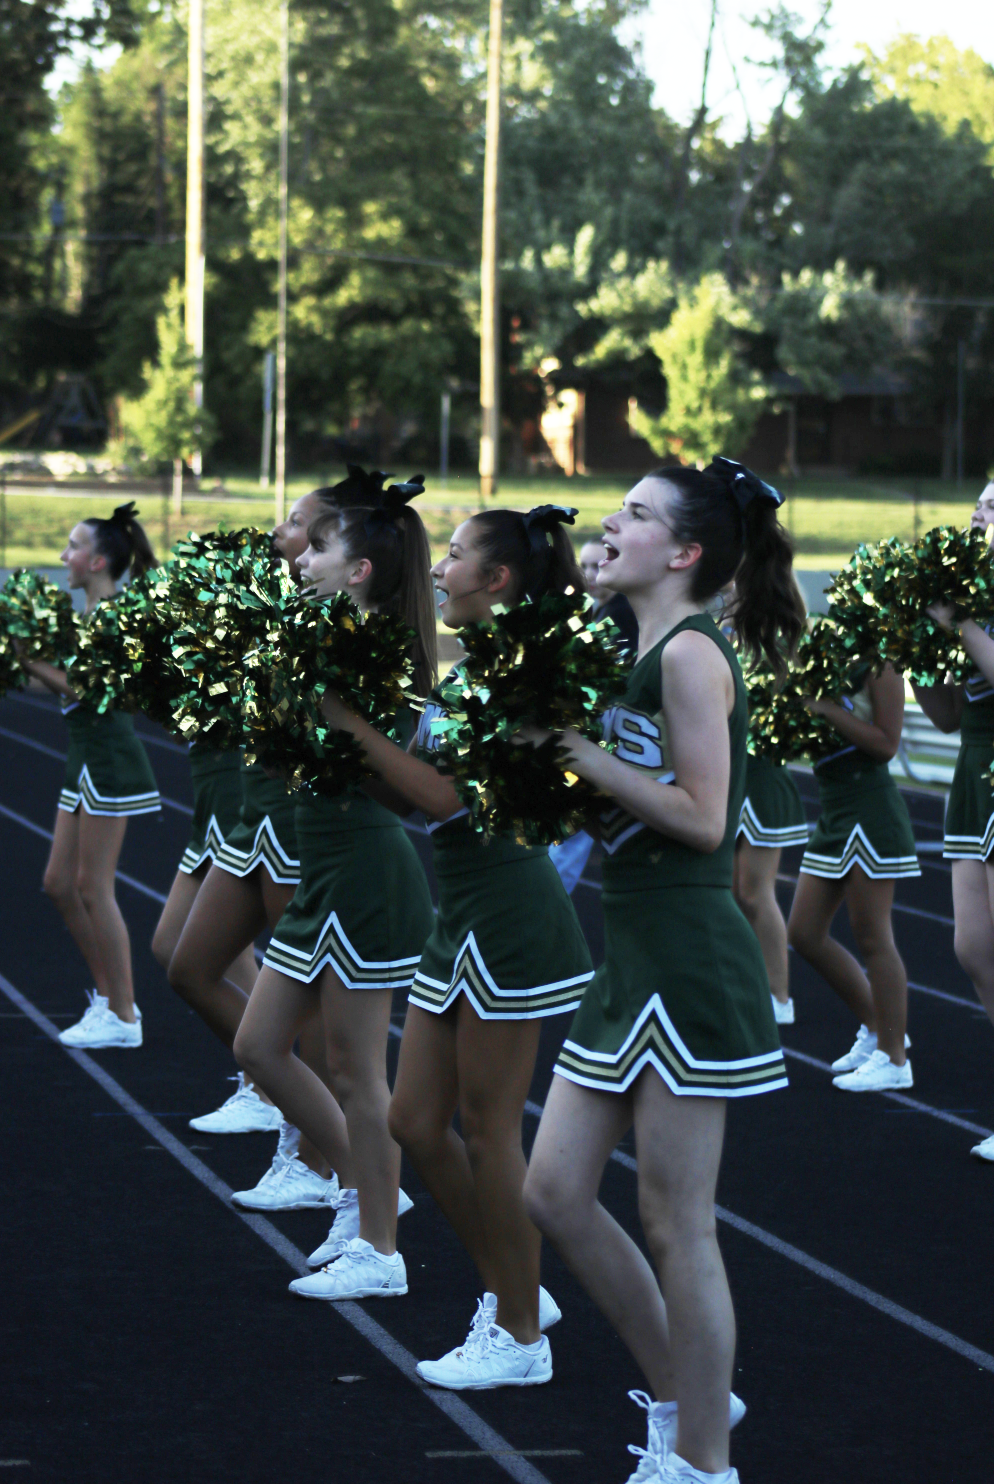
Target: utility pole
(489, 287)
(195, 203)
(160, 164)
(268, 376)
(280, 500)
(960, 400)
(443, 466)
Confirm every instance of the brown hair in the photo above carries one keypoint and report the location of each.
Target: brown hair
(122, 540)
(534, 547)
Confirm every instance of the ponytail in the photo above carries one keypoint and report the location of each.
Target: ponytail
(534, 547)
(732, 515)
(392, 535)
(122, 540)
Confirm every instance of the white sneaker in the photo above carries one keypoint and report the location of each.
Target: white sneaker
(243, 1113)
(783, 1011)
(288, 1185)
(346, 1226)
(877, 1074)
(359, 1271)
(677, 1470)
(663, 1430)
(488, 1358)
(101, 1027)
(985, 1149)
(863, 1047)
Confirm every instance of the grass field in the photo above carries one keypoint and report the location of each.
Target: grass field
(827, 517)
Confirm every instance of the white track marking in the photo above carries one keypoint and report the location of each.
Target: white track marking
(469, 1422)
(61, 757)
(897, 1097)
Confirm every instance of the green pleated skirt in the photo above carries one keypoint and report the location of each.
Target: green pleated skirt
(362, 907)
(265, 833)
(217, 804)
(772, 812)
(969, 831)
(506, 934)
(683, 989)
(107, 768)
(864, 822)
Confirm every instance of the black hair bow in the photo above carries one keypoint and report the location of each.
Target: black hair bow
(544, 519)
(391, 501)
(743, 483)
(125, 515)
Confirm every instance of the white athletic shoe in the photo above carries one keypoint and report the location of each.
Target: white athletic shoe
(288, 1185)
(677, 1470)
(549, 1312)
(862, 1048)
(783, 1013)
(100, 1027)
(662, 1433)
(985, 1149)
(359, 1271)
(346, 1225)
(488, 1358)
(877, 1074)
(243, 1113)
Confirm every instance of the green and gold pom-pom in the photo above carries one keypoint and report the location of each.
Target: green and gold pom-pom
(39, 615)
(781, 726)
(324, 645)
(546, 662)
(880, 600)
(12, 673)
(123, 659)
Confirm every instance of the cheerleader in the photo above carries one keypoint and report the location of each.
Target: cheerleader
(862, 845)
(353, 933)
(771, 821)
(245, 890)
(969, 831)
(679, 1017)
(506, 951)
(108, 778)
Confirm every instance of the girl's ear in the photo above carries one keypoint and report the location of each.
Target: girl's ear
(687, 556)
(499, 580)
(362, 570)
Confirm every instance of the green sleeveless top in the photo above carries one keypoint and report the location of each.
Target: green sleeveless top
(977, 722)
(850, 764)
(637, 856)
(456, 832)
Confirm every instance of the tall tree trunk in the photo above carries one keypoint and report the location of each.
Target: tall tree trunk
(177, 487)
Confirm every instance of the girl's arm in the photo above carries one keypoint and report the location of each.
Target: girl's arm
(698, 696)
(880, 737)
(418, 782)
(51, 677)
(942, 704)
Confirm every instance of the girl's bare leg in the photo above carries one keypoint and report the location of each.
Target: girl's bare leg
(870, 904)
(973, 909)
(816, 901)
(263, 1044)
(495, 1061)
(578, 1131)
(357, 1024)
(100, 841)
(179, 903)
(61, 883)
(756, 893)
(424, 1103)
(225, 919)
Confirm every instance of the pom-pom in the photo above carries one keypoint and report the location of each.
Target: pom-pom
(547, 662)
(124, 659)
(880, 601)
(326, 644)
(39, 615)
(12, 673)
(781, 727)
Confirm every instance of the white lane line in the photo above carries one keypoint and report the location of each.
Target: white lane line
(479, 1432)
(61, 757)
(36, 829)
(898, 1097)
(50, 710)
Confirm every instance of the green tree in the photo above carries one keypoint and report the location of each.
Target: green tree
(827, 325)
(713, 400)
(164, 425)
(936, 78)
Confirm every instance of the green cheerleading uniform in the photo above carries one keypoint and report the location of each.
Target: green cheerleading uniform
(506, 935)
(264, 834)
(772, 812)
(362, 907)
(969, 831)
(864, 820)
(107, 768)
(217, 803)
(683, 987)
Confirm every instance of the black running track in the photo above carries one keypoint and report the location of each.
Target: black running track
(147, 1333)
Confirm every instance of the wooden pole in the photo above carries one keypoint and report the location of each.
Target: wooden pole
(489, 286)
(195, 203)
(280, 498)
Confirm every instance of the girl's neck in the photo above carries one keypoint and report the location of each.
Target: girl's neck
(96, 590)
(657, 612)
